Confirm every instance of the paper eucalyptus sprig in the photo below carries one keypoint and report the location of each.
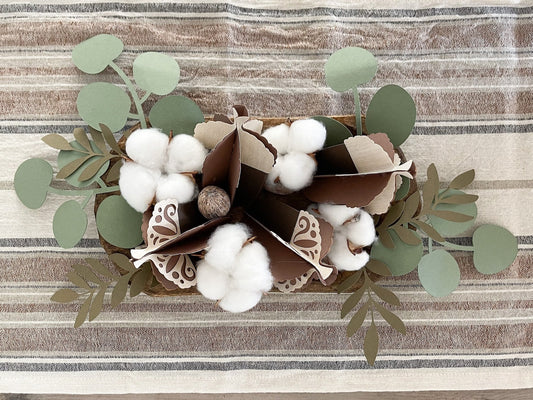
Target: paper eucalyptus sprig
(93, 281)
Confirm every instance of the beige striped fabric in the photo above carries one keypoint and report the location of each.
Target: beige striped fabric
(469, 67)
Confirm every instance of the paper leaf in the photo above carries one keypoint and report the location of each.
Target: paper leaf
(119, 291)
(431, 187)
(32, 180)
(350, 281)
(98, 139)
(462, 180)
(95, 54)
(371, 344)
(402, 259)
(407, 235)
(82, 139)
(138, 281)
(64, 296)
(57, 142)
(103, 103)
(391, 111)
(393, 214)
(357, 320)
(83, 311)
(78, 280)
(110, 139)
(156, 73)
(392, 319)
(495, 248)
(429, 230)
(97, 303)
(350, 67)
(122, 261)
(439, 273)
(386, 239)
(460, 199)
(86, 273)
(94, 169)
(118, 223)
(378, 267)
(335, 131)
(70, 223)
(385, 294)
(98, 267)
(403, 190)
(411, 206)
(72, 165)
(441, 218)
(113, 173)
(352, 301)
(177, 114)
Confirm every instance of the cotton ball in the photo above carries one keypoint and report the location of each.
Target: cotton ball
(307, 136)
(224, 245)
(337, 214)
(341, 256)
(361, 232)
(176, 186)
(138, 185)
(278, 136)
(252, 269)
(272, 182)
(297, 171)
(211, 282)
(240, 300)
(185, 154)
(148, 147)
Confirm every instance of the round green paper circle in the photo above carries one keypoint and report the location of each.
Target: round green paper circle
(69, 224)
(449, 228)
(156, 73)
(402, 259)
(95, 54)
(349, 67)
(118, 223)
(178, 114)
(439, 273)
(32, 180)
(495, 248)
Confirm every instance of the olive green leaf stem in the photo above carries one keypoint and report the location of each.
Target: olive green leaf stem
(357, 103)
(91, 192)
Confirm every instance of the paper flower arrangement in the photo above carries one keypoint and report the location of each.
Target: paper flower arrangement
(232, 208)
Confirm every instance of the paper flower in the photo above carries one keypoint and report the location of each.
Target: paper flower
(161, 168)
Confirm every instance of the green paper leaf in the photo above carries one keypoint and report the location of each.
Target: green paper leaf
(378, 267)
(70, 223)
(391, 111)
(460, 199)
(98, 302)
(118, 223)
(119, 291)
(371, 344)
(113, 173)
(56, 141)
(78, 280)
(411, 207)
(98, 139)
(385, 239)
(335, 131)
(403, 190)
(429, 230)
(177, 114)
(85, 272)
(407, 235)
(350, 281)
(495, 248)
(73, 165)
(103, 103)
(357, 320)
(402, 259)
(350, 67)
(439, 273)
(98, 267)
(392, 319)
(393, 214)
(83, 311)
(138, 281)
(95, 54)
(431, 187)
(385, 294)
(82, 139)
(32, 180)
(122, 261)
(440, 219)
(352, 301)
(156, 73)
(94, 169)
(64, 296)
(463, 180)
(110, 139)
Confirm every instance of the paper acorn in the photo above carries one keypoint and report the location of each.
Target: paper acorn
(315, 204)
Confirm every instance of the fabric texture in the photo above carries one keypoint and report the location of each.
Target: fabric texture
(468, 66)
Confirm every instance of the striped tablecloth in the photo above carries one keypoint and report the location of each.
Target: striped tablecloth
(469, 67)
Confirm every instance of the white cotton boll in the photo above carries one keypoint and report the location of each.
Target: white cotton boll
(337, 214)
(240, 300)
(307, 136)
(252, 269)
(297, 171)
(138, 185)
(272, 183)
(185, 154)
(278, 136)
(362, 231)
(148, 147)
(224, 245)
(210, 281)
(176, 186)
(341, 256)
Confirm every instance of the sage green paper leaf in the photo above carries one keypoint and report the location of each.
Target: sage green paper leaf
(138, 281)
(403, 190)
(350, 281)
(391, 318)
(69, 224)
(378, 267)
(64, 296)
(495, 248)
(32, 180)
(98, 302)
(83, 311)
(156, 73)
(103, 103)
(118, 223)
(95, 54)
(336, 132)
(350, 67)
(352, 301)
(448, 228)
(439, 273)
(119, 291)
(57, 142)
(391, 111)
(402, 259)
(73, 164)
(463, 180)
(122, 261)
(371, 344)
(177, 114)
(357, 320)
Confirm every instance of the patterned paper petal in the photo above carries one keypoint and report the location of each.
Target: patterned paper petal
(173, 271)
(297, 283)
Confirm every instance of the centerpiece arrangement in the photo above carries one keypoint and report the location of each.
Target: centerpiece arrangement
(234, 207)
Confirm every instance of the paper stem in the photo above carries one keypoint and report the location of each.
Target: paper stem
(145, 97)
(357, 102)
(430, 244)
(100, 182)
(86, 200)
(133, 92)
(132, 115)
(91, 192)
(457, 246)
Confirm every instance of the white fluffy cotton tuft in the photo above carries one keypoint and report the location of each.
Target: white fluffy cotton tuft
(240, 300)
(337, 214)
(185, 154)
(252, 269)
(138, 185)
(148, 147)
(224, 245)
(297, 171)
(180, 187)
(278, 136)
(361, 232)
(307, 136)
(211, 282)
(341, 256)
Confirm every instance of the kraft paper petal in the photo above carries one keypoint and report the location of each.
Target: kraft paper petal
(369, 155)
(380, 204)
(212, 132)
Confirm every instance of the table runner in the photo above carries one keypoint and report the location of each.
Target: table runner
(468, 67)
